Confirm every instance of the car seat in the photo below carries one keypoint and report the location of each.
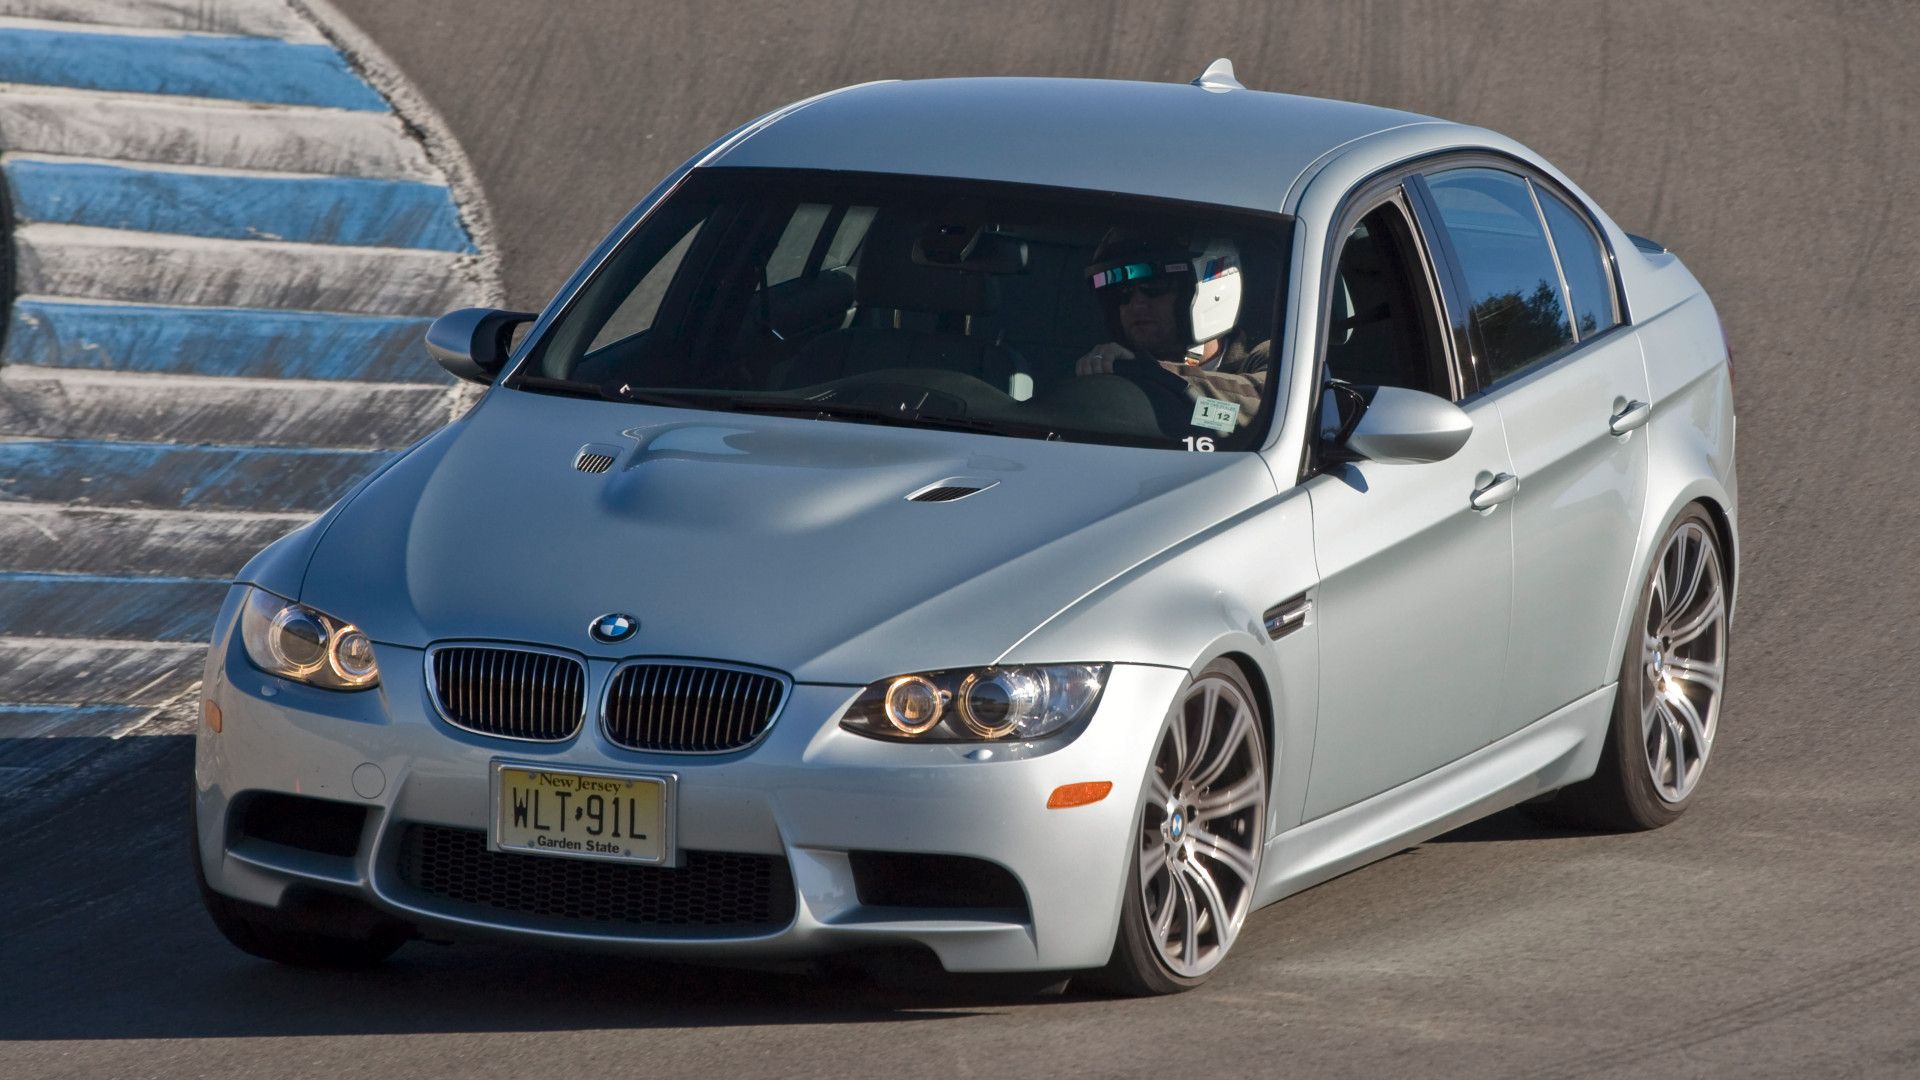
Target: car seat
(909, 315)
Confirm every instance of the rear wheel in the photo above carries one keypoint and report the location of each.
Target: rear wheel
(285, 937)
(1197, 841)
(1666, 713)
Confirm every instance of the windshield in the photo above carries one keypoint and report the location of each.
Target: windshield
(994, 308)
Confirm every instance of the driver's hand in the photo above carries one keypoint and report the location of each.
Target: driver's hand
(1101, 359)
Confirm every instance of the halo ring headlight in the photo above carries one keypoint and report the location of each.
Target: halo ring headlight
(293, 633)
(914, 704)
(994, 701)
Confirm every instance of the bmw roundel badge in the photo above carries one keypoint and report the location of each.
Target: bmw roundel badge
(613, 626)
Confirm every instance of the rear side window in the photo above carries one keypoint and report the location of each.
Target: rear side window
(1513, 285)
(1589, 286)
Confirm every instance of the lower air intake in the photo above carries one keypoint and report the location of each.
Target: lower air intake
(716, 894)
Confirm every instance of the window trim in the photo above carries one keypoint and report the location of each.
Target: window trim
(1553, 249)
(1528, 173)
(1617, 300)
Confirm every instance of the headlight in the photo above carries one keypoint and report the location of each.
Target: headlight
(297, 642)
(978, 704)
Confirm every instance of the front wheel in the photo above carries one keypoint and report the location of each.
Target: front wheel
(1197, 840)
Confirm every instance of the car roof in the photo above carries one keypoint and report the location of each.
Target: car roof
(1237, 147)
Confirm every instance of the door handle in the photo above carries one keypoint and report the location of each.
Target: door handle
(1497, 490)
(1630, 416)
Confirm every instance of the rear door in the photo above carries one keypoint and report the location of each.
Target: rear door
(1415, 584)
(1553, 355)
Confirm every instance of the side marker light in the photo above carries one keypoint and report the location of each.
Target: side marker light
(212, 712)
(1070, 795)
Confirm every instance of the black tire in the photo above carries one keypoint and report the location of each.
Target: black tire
(1622, 795)
(1136, 967)
(279, 936)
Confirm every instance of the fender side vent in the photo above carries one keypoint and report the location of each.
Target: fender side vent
(950, 489)
(1287, 616)
(593, 458)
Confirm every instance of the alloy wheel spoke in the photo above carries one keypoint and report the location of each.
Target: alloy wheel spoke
(1677, 752)
(1228, 854)
(1217, 913)
(1197, 752)
(1190, 942)
(1163, 919)
(1696, 726)
(1158, 793)
(1649, 718)
(1177, 735)
(1238, 733)
(1660, 754)
(1153, 859)
(1226, 801)
(1698, 672)
(1692, 567)
(1700, 622)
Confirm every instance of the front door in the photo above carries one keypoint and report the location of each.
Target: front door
(1415, 585)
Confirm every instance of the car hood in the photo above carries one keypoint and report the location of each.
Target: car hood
(787, 543)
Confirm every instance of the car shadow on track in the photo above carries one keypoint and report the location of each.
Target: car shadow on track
(1513, 824)
(104, 938)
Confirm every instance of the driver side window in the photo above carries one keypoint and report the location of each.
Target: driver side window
(1383, 329)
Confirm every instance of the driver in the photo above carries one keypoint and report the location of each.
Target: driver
(1176, 308)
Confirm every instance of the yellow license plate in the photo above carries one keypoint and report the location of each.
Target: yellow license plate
(582, 815)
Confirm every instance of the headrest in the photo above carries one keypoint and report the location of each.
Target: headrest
(891, 278)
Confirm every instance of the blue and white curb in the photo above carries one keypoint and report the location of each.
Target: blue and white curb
(232, 221)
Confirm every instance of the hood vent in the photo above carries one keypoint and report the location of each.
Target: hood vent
(957, 487)
(595, 458)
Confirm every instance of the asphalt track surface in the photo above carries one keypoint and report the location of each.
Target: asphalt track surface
(1771, 932)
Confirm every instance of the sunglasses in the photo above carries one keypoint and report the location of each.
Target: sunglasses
(1152, 290)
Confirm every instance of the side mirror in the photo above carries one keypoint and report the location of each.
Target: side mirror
(1408, 427)
(474, 343)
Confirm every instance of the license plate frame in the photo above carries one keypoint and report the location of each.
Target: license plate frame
(504, 836)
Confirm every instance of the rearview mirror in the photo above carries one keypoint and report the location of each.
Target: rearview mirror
(474, 343)
(1408, 427)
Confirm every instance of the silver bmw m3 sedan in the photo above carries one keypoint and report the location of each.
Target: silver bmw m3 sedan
(1036, 522)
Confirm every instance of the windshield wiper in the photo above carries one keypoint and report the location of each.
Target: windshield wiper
(896, 417)
(601, 391)
(570, 387)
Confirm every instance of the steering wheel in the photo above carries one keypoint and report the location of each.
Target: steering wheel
(1165, 391)
(907, 396)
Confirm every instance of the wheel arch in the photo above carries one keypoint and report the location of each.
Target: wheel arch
(1262, 700)
(1284, 691)
(1710, 497)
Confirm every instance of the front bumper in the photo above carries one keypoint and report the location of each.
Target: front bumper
(808, 793)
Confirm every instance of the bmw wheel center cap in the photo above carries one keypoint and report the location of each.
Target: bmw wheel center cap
(614, 626)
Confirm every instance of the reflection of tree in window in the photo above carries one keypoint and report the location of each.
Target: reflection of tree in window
(1518, 329)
